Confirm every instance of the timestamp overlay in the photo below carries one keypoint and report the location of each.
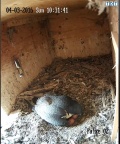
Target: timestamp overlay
(56, 10)
(52, 10)
(19, 10)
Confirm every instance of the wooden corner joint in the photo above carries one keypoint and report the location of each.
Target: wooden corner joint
(115, 123)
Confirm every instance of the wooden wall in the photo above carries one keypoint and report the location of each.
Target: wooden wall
(80, 33)
(37, 41)
(29, 44)
(44, 4)
(113, 21)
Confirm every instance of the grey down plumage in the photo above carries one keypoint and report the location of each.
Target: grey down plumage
(57, 109)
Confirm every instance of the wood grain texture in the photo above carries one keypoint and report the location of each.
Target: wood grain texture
(36, 3)
(113, 21)
(29, 44)
(116, 116)
(80, 33)
(113, 18)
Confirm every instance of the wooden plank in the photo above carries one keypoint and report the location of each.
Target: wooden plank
(80, 33)
(113, 19)
(27, 43)
(23, 21)
(36, 3)
(115, 123)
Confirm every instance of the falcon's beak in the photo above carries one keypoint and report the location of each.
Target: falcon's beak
(67, 116)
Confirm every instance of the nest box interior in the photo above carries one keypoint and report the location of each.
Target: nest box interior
(36, 39)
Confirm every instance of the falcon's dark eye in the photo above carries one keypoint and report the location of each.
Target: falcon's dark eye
(34, 100)
(49, 100)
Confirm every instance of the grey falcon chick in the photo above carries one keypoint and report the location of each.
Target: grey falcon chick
(58, 110)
